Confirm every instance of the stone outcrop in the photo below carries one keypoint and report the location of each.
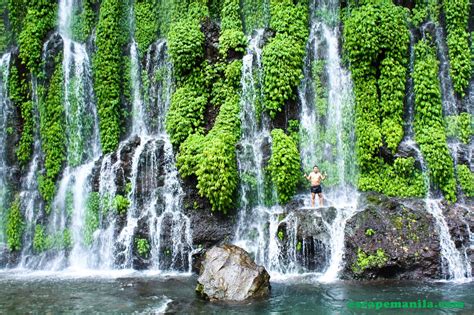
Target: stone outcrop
(391, 238)
(228, 273)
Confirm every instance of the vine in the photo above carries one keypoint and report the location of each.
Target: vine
(283, 56)
(15, 226)
(457, 15)
(18, 91)
(376, 40)
(430, 132)
(146, 23)
(40, 19)
(284, 165)
(465, 179)
(108, 59)
(53, 136)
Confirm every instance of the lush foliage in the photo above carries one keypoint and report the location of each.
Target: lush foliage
(59, 241)
(121, 204)
(256, 14)
(364, 261)
(186, 113)
(40, 19)
(232, 37)
(16, 13)
(457, 15)
(18, 91)
(283, 55)
(460, 126)
(376, 42)
(15, 226)
(217, 170)
(53, 136)
(146, 23)
(284, 165)
(84, 20)
(430, 132)
(185, 46)
(92, 217)
(466, 179)
(107, 62)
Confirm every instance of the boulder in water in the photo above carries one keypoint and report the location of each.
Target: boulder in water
(229, 273)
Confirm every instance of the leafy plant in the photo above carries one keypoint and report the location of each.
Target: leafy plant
(121, 204)
(430, 132)
(457, 15)
(143, 247)
(53, 136)
(466, 179)
(92, 217)
(15, 226)
(364, 261)
(284, 165)
(282, 57)
(108, 81)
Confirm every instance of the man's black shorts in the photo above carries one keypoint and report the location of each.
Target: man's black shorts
(316, 189)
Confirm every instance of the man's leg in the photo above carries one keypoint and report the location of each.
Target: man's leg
(313, 197)
(320, 199)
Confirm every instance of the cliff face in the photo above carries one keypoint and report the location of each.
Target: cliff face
(135, 133)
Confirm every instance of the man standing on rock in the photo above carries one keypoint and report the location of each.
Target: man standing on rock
(315, 177)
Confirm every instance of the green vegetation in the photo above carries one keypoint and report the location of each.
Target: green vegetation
(376, 42)
(457, 15)
(16, 14)
(18, 90)
(369, 232)
(430, 132)
(299, 246)
(53, 137)
(466, 179)
(284, 165)
(121, 204)
(84, 20)
(15, 226)
(58, 241)
(460, 126)
(108, 81)
(143, 247)
(186, 113)
(283, 56)
(256, 14)
(146, 23)
(185, 46)
(92, 217)
(424, 11)
(364, 261)
(232, 37)
(281, 235)
(39, 20)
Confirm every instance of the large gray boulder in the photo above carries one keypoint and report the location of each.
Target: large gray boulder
(229, 273)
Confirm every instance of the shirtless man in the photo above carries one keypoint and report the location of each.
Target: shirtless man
(315, 177)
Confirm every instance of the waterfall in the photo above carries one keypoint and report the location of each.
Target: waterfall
(327, 125)
(251, 233)
(156, 194)
(5, 112)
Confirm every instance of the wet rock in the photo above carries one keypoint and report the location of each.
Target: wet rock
(228, 273)
(208, 228)
(391, 238)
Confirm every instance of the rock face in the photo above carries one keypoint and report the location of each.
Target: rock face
(391, 238)
(228, 273)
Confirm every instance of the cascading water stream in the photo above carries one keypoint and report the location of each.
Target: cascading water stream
(456, 266)
(326, 126)
(5, 111)
(251, 233)
(156, 194)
